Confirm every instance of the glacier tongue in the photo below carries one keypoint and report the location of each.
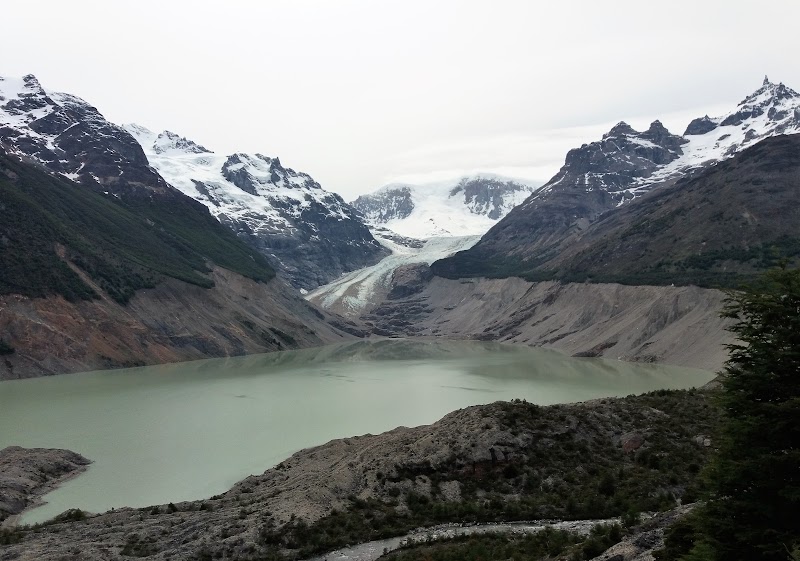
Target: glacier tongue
(359, 291)
(420, 224)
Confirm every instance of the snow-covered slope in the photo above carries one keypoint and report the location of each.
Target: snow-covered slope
(464, 207)
(312, 234)
(420, 224)
(771, 110)
(626, 163)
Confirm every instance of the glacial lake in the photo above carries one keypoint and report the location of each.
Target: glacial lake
(187, 431)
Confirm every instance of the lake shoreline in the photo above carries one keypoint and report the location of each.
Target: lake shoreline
(154, 427)
(29, 474)
(340, 475)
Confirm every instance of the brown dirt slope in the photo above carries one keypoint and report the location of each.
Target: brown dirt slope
(173, 322)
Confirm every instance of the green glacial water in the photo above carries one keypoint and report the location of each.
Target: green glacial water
(184, 431)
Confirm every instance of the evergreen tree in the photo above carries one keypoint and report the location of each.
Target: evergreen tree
(753, 511)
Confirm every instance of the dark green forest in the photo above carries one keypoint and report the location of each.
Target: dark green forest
(122, 244)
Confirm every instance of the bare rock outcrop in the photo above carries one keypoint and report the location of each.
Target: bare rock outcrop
(28, 473)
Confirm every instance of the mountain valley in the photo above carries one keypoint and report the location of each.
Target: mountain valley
(121, 247)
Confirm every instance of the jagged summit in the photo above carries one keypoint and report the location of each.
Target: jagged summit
(623, 165)
(769, 93)
(701, 125)
(166, 141)
(620, 129)
(70, 137)
(626, 163)
(770, 110)
(656, 133)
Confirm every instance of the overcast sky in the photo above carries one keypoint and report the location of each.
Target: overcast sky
(360, 93)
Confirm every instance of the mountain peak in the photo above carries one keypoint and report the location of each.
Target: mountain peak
(18, 89)
(701, 125)
(31, 82)
(620, 129)
(769, 93)
(170, 141)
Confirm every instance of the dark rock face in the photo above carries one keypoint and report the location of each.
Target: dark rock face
(615, 162)
(388, 204)
(408, 280)
(716, 227)
(72, 138)
(701, 125)
(489, 197)
(594, 179)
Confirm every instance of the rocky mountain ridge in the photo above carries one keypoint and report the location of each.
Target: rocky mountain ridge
(309, 234)
(71, 138)
(96, 247)
(623, 166)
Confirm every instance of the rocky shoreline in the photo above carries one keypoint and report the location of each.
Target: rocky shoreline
(26, 474)
(485, 457)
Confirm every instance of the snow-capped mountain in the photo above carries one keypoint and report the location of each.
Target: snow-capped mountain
(622, 166)
(70, 137)
(626, 163)
(465, 207)
(771, 110)
(312, 234)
